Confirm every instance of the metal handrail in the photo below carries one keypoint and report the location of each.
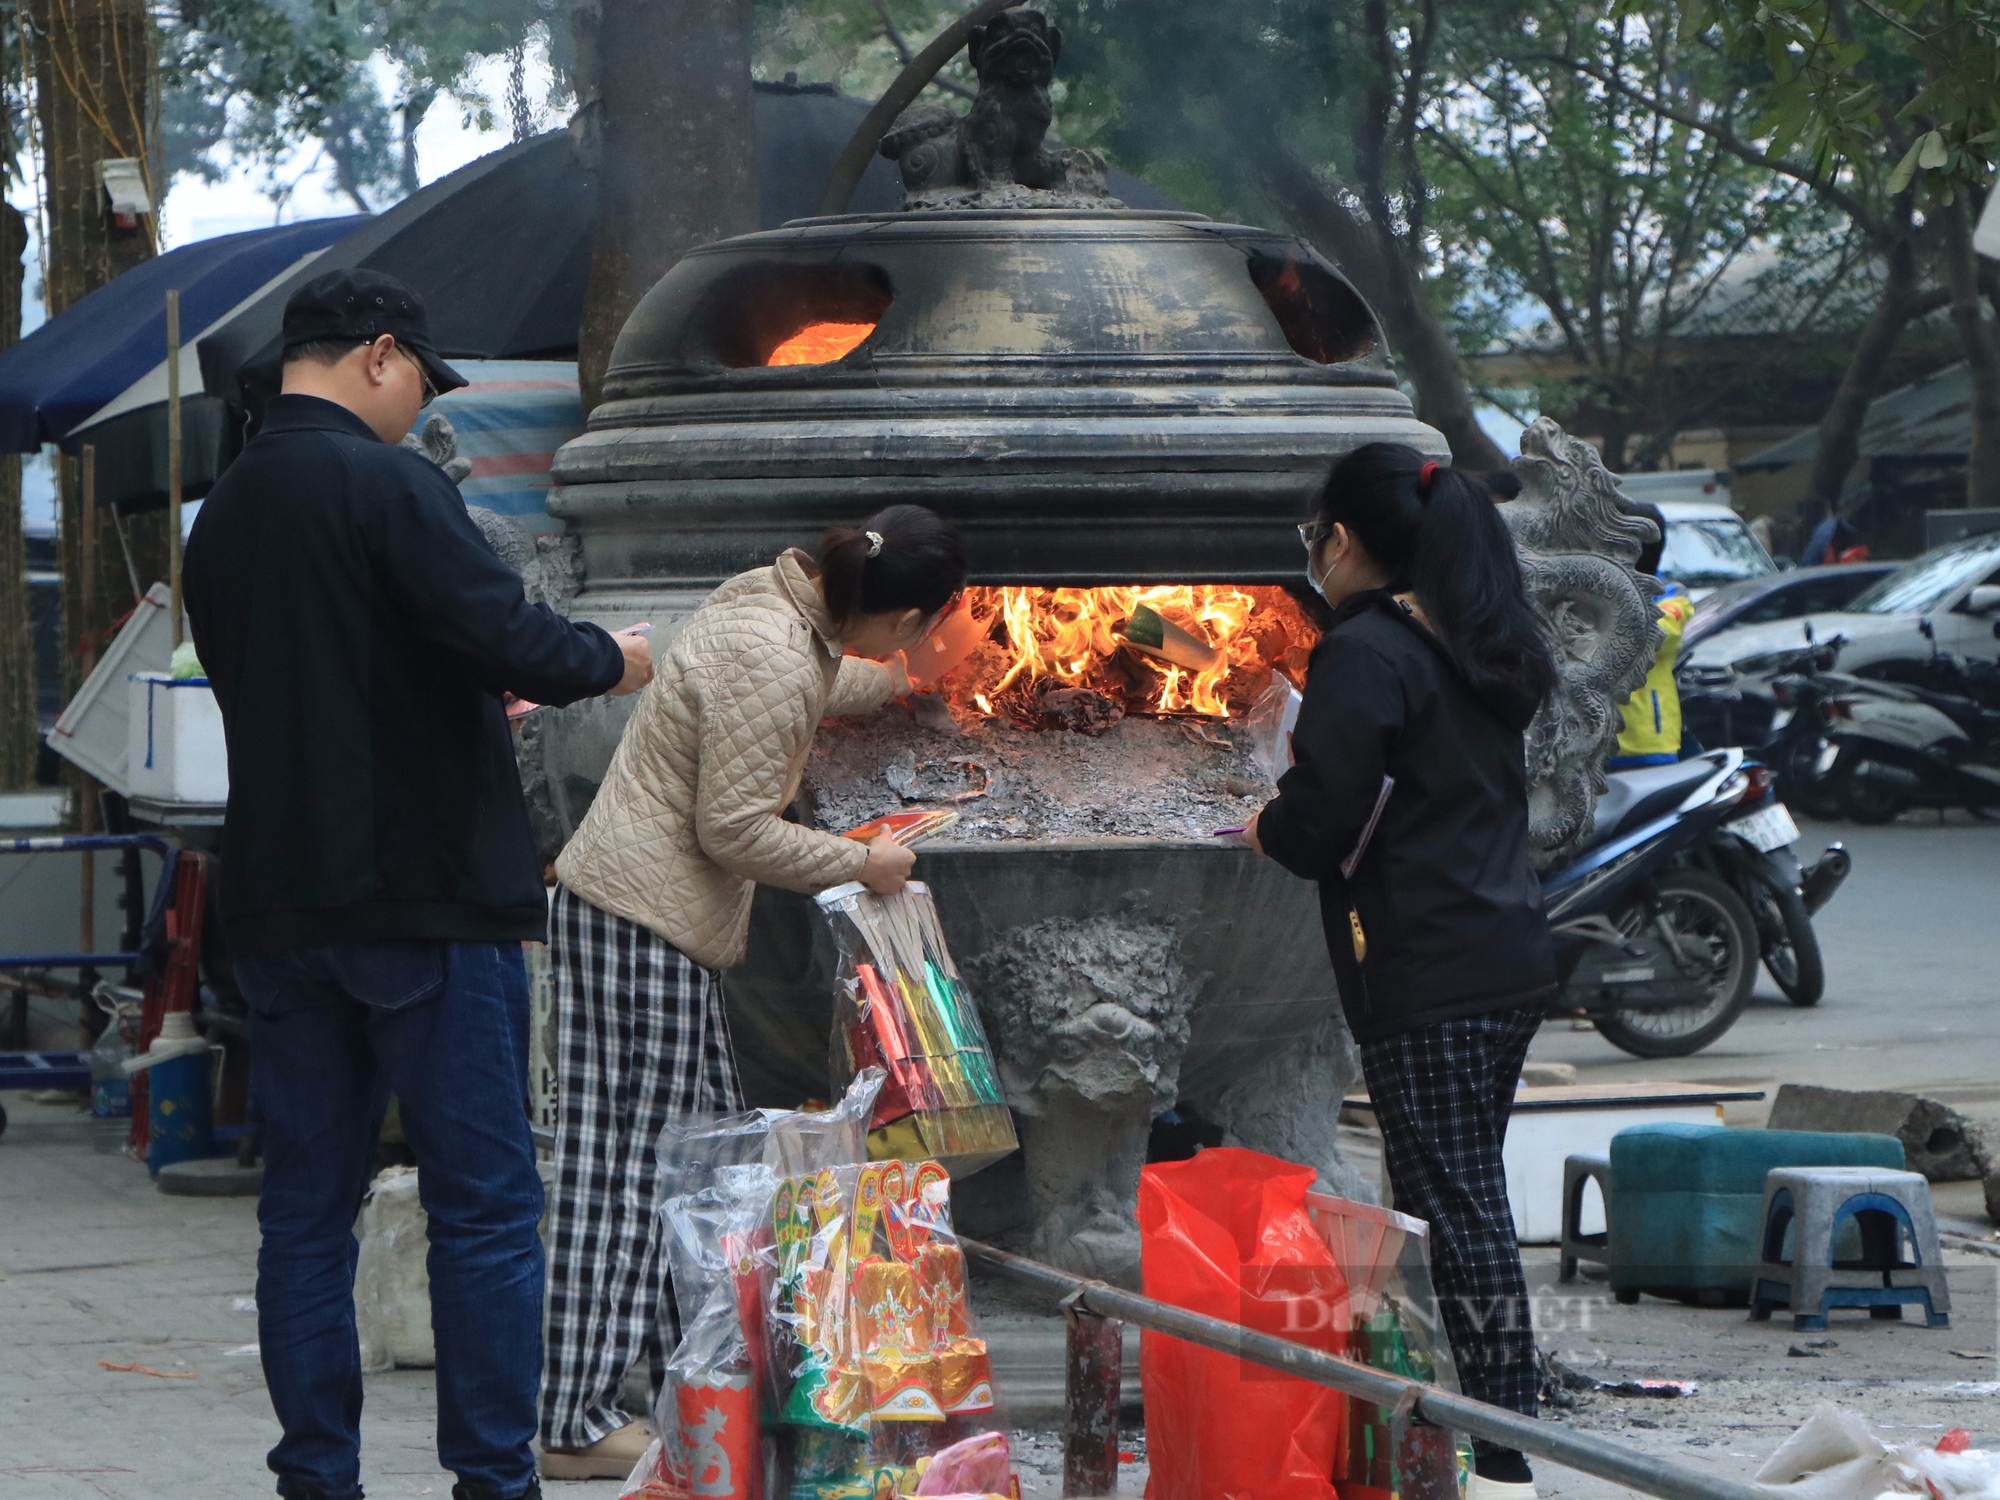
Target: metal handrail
(1440, 1408)
(76, 843)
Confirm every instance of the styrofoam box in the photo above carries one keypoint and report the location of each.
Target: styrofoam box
(1539, 1141)
(175, 752)
(93, 732)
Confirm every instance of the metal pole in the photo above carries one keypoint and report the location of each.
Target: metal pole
(1425, 1403)
(1093, 1371)
(174, 458)
(86, 812)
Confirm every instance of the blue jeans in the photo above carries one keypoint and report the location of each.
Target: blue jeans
(333, 1031)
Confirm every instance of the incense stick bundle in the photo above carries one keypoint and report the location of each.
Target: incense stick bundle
(901, 986)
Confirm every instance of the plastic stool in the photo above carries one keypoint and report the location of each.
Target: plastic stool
(1579, 1171)
(1886, 1206)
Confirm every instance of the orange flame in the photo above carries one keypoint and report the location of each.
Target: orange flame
(820, 343)
(1070, 638)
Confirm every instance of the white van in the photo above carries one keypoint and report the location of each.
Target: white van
(1708, 544)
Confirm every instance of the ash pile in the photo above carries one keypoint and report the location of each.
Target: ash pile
(1075, 714)
(1175, 779)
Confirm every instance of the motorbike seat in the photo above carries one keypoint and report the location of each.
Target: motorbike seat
(1634, 798)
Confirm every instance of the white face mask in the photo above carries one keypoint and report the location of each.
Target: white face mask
(1318, 585)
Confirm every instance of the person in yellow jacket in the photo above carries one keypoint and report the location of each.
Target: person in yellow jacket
(1652, 732)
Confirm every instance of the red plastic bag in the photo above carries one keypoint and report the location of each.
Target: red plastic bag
(1227, 1234)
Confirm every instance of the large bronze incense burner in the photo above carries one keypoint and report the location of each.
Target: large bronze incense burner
(1094, 396)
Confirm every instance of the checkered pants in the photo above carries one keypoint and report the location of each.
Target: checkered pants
(641, 1040)
(1442, 1094)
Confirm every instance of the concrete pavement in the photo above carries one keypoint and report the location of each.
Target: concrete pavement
(96, 1265)
(1912, 948)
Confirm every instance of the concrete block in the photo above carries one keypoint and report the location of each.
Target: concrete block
(210, 1177)
(1541, 1075)
(1937, 1140)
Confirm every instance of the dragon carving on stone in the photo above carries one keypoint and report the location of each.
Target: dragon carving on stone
(1090, 1017)
(1577, 550)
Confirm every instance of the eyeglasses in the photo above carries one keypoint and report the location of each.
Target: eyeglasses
(945, 612)
(1310, 533)
(430, 391)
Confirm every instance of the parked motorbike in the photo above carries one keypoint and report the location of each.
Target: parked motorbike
(1899, 745)
(1658, 952)
(1753, 852)
(1788, 730)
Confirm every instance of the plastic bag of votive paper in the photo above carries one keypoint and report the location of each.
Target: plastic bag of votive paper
(715, 1181)
(1393, 1323)
(716, 1174)
(1270, 723)
(900, 1004)
(876, 1363)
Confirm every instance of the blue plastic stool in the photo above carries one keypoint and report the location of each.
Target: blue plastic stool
(1889, 1210)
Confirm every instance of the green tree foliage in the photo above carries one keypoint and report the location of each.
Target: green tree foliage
(857, 45)
(264, 77)
(1659, 282)
(1916, 82)
(1889, 112)
(1483, 191)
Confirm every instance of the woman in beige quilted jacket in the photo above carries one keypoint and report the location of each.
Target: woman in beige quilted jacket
(654, 899)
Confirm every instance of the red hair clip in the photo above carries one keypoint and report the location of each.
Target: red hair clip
(1424, 477)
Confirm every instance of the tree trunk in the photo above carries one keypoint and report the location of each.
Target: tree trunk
(93, 99)
(1391, 285)
(665, 87)
(415, 107)
(1982, 362)
(1840, 424)
(18, 725)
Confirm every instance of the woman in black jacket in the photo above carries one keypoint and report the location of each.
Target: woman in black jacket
(1408, 802)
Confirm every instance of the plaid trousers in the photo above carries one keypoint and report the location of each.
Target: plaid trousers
(642, 1040)
(1442, 1094)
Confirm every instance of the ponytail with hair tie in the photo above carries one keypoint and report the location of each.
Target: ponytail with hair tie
(860, 574)
(1435, 532)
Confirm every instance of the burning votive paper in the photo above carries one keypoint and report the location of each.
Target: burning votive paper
(900, 1005)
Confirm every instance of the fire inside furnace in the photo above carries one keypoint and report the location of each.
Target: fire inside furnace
(1062, 713)
(1084, 658)
(820, 343)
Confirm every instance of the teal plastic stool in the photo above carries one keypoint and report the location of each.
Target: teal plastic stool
(1685, 1215)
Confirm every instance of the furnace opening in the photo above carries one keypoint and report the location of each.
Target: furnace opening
(1321, 316)
(771, 313)
(1076, 658)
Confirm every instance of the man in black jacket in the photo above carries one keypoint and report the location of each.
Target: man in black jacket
(378, 877)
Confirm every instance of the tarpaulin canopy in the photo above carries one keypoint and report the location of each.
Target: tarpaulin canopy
(71, 366)
(510, 420)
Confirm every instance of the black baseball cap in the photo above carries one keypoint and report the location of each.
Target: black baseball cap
(362, 306)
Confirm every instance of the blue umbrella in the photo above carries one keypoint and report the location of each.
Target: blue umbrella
(89, 355)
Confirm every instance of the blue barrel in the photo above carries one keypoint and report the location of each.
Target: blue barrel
(181, 1123)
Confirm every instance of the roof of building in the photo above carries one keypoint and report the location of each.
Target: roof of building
(1928, 418)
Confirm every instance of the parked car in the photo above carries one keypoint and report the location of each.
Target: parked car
(1708, 545)
(1956, 588)
(1782, 596)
